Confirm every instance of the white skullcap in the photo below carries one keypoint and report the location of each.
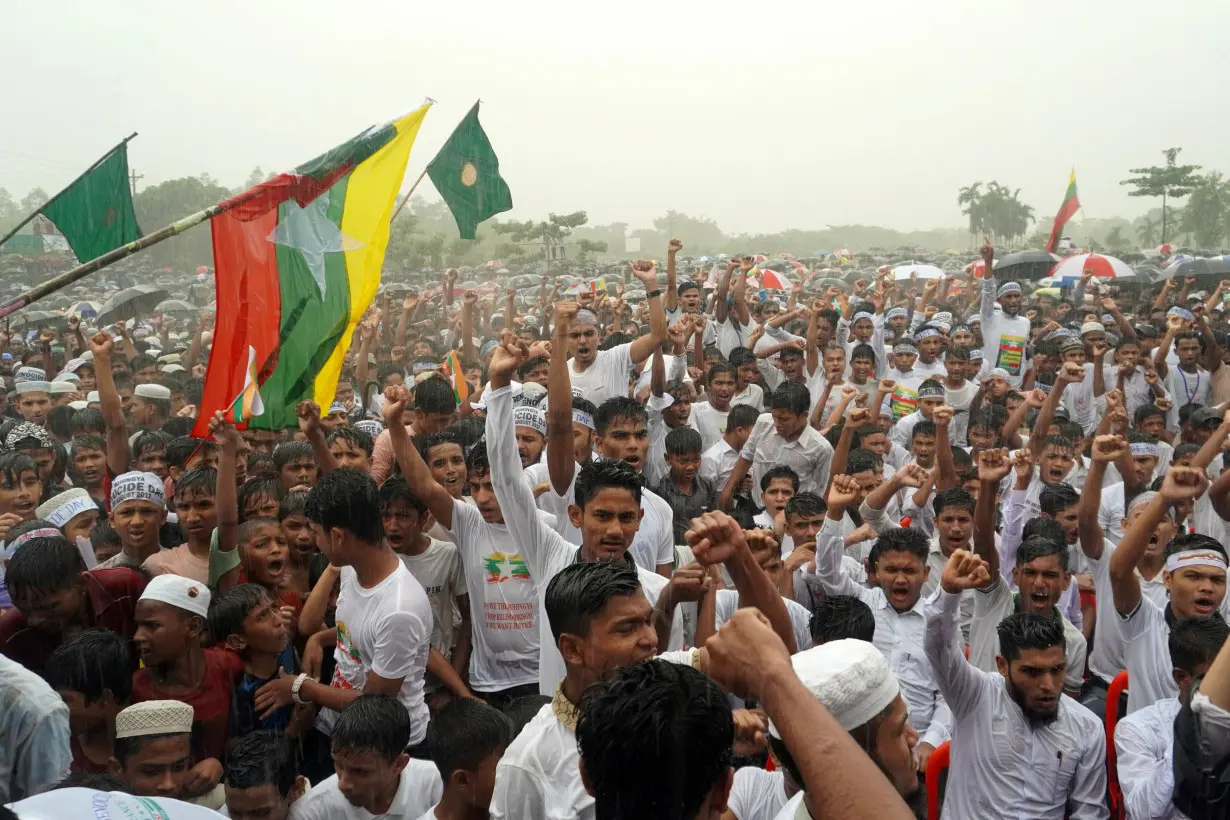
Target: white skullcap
(850, 677)
(137, 486)
(66, 506)
(173, 368)
(152, 391)
(170, 358)
(67, 376)
(1092, 327)
(154, 717)
(26, 373)
(78, 405)
(62, 387)
(32, 387)
(92, 397)
(178, 591)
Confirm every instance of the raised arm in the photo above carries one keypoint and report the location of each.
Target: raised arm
(947, 477)
(672, 294)
(417, 473)
(958, 682)
(857, 418)
(722, 305)
(1105, 450)
(561, 461)
(227, 497)
(993, 466)
(986, 308)
(309, 424)
(118, 453)
(642, 347)
(830, 545)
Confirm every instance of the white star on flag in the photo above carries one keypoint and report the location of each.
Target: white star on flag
(310, 231)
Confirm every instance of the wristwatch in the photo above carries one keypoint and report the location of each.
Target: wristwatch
(296, 686)
(653, 293)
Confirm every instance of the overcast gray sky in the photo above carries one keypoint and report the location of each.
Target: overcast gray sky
(763, 115)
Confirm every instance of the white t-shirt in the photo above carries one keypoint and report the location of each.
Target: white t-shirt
(607, 377)
(757, 794)
(503, 603)
(387, 630)
(438, 569)
(709, 422)
(420, 789)
(727, 603)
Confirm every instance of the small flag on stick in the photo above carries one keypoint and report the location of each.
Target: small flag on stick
(456, 374)
(248, 404)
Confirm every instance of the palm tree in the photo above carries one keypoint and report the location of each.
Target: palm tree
(969, 198)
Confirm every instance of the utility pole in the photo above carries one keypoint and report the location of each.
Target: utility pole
(133, 176)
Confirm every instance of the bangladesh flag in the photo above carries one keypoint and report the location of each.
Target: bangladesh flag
(466, 172)
(95, 213)
(297, 262)
(1066, 211)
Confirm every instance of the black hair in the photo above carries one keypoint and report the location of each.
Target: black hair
(194, 391)
(684, 441)
(805, 504)
(1055, 498)
(1189, 334)
(923, 427)
(87, 441)
(149, 440)
(293, 504)
(1028, 630)
(126, 747)
(425, 444)
(89, 420)
(1037, 546)
(389, 369)
(1043, 528)
(580, 592)
(395, 489)
(654, 739)
(1071, 431)
(900, 539)
(60, 421)
(1182, 542)
(464, 734)
(584, 405)
(863, 351)
(93, 663)
(618, 407)
(1145, 412)
(596, 476)
(178, 427)
(372, 722)
(434, 395)
(740, 356)
(140, 362)
(358, 438)
(347, 498)
(953, 497)
(103, 534)
(523, 709)
(261, 758)
(1196, 641)
(959, 353)
(722, 367)
(290, 451)
(791, 397)
(252, 488)
(228, 610)
(13, 465)
(615, 340)
(199, 479)
(1182, 451)
(98, 781)
(779, 471)
(1059, 442)
(741, 415)
(477, 459)
(836, 617)
(260, 465)
(45, 564)
(864, 461)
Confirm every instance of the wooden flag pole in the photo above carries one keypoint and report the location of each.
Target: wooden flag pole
(80, 177)
(410, 193)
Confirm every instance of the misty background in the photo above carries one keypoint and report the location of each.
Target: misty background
(772, 127)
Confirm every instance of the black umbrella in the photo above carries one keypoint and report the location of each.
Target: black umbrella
(131, 303)
(1028, 265)
(1215, 266)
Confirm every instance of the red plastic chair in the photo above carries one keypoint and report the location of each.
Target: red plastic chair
(1113, 694)
(936, 764)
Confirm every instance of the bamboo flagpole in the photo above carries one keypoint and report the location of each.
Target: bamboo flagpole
(410, 193)
(80, 177)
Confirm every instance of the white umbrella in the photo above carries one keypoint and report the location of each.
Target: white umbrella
(903, 272)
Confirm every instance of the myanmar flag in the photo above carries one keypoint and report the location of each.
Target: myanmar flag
(95, 213)
(1066, 211)
(466, 172)
(297, 262)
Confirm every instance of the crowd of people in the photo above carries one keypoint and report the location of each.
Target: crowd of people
(729, 553)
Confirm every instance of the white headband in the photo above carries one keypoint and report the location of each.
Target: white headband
(1195, 558)
(583, 418)
(530, 417)
(1144, 448)
(862, 314)
(137, 486)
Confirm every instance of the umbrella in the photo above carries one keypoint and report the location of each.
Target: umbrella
(771, 279)
(904, 272)
(1166, 248)
(1214, 266)
(1074, 267)
(130, 303)
(42, 318)
(1025, 265)
(83, 310)
(175, 306)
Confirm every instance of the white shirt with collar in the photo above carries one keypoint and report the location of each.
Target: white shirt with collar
(420, 789)
(1144, 749)
(1002, 766)
(718, 462)
(809, 455)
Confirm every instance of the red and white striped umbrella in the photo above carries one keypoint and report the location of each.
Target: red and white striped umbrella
(1074, 267)
(1167, 248)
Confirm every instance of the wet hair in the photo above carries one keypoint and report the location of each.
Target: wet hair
(900, 539)
(372, 722)
(434, 395)
(89, 420)
(140, 362)
(347, 498)
(1071, 431)
(1028, 630)
(425, 444)
(1182, 451)
(1043, 528)
(60, 421)
(740, 356)
(291, 451)
(791, 397)
(864, 461)
(357, 438)
(260, 465)
(228, 610)
(1196, 641)
(202, 480)
(741, 415)
(469, 431)
(596, 476)
(1146, 412)
(1059, 443)
(178, 427)
(255, 487)
(863, 351)
(836, 617)
(923, 427)
(958, 353)
(614, 340)
(46, 564)
(92, 663)
(1180, 543)
(464, 734)
(1037, 546)
(805, 504)
(953, 497)
(103, 534)
(580, 592)
(1055, 498)
(722, 367)
(389, 369)
(522, 710)
(684, 441)
(98, 781)
(654, 738)
(477, 459)
(261, 758)
(616, 408)
(294, 504)
(87, 441)
(584, 405)
(779, 471)
(395, 490)
(149, 440)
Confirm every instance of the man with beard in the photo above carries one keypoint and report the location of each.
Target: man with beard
(897, 566)
(531, 426)
(1020, 747)
(1003, 334)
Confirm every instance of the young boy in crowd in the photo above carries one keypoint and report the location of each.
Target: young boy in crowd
(747, 386)
(261, 778)
(89, 458)
(261, 498)
(717, 462)
(73, 511)
(689, 494)
(467, 739)
(245, 619)
(149, 452)
(92, 672)
(306, 561)
(351, 447)
(778, 485)
(197, 509)
(105, 541)
(138, 511)
(296, 465)
(154, 752)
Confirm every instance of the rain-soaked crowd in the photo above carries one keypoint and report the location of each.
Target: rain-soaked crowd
(702, 551)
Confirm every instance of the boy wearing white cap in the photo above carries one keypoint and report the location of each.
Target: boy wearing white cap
(153, 748)
(34, 401)
(73, 511)
(150, 407)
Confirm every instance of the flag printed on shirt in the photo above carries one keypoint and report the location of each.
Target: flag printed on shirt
(1011, 354)
(501, 567)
